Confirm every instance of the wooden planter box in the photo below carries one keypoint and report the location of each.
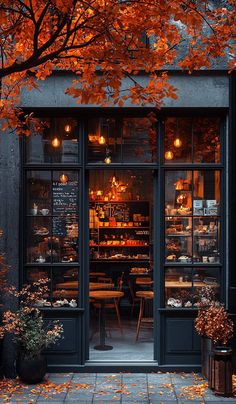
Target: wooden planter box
(220, 372)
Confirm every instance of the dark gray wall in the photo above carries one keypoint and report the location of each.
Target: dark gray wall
(9, 220)
(193, 91)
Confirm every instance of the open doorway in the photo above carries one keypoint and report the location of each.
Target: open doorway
(121, 265)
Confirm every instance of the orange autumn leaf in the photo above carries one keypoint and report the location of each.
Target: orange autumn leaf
(106, 44)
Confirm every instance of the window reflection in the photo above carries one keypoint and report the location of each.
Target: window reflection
(178, 193)
(131, 140)
(190, 140)
(178, 140)
(58, 143)
(206, 135)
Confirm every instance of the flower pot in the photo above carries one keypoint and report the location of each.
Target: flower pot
(31, 370)
(206, 347)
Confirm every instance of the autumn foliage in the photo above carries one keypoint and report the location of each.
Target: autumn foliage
(106, 44)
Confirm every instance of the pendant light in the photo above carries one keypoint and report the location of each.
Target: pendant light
(56, 142)
(64, 178)
(169, 155)
(177, 142)
(67, 128)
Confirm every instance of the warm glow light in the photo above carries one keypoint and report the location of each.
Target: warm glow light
(68, 128)
(169, 155)
(64, 178)
(107, 160)
(56, 142)
(101, 140)
(177, 142)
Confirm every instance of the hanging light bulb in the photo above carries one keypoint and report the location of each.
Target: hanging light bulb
(169, 155)
(64, 178)
(101, 140)
(107, 160)
(177, 142)
(68, 128)
(56, 142)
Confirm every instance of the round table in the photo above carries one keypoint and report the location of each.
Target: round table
(92, 285)
(102, 295)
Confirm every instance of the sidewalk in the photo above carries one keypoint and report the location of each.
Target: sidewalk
(83, 388)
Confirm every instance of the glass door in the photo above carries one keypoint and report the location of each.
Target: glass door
(121, 265)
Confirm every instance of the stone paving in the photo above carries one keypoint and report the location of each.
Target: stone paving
(125, 388)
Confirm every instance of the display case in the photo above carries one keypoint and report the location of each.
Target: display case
(194, 237)
(187, 287)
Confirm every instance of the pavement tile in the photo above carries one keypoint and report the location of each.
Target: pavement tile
(192, 401)
(67, 375)
(166, 401)
(134, 399)
(106, 398)
(47, 401)
(53, 397)
(214, 399)
(79, 399)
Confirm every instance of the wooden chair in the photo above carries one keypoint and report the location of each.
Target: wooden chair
(133, 296)
(146, 297)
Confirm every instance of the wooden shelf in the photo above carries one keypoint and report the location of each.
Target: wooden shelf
(120, 228)
(121, 260)
(120, 246)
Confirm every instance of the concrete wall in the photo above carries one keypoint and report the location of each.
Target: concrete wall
(193, 91)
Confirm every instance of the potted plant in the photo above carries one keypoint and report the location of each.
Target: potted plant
(214, 326)
(26, 325)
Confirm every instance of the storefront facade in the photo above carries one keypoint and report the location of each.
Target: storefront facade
(115, 199)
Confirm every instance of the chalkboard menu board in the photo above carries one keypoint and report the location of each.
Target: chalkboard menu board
(65, 198)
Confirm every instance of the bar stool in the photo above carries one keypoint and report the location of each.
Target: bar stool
(146, 296)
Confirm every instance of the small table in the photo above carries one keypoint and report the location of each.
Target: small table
(102, 295)
(92, 285)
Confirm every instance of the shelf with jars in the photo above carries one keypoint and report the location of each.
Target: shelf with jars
(119, 228)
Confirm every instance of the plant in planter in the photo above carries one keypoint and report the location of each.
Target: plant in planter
(213, 325)
(26, 325)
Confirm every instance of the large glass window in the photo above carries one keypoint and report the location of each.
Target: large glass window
(192, 216)
(192, 235)
(52, 235)
(120, 213)
(122, 140)
(192, 140)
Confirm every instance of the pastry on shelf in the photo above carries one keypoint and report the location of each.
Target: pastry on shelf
(184, 258)
(136, 270)
(171, 257)
(174, 302)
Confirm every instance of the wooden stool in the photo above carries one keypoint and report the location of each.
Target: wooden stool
(144, 296)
